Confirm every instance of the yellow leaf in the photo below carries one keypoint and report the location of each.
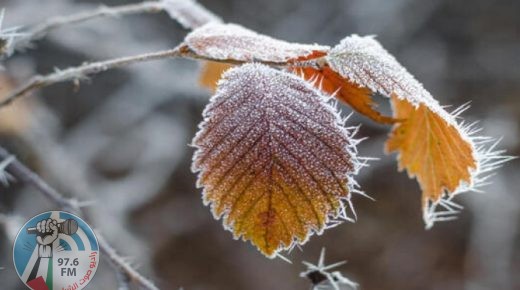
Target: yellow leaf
(211, 72)
(273, 157)
(431, 150)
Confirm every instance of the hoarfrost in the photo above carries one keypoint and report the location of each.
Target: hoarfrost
(267, 133)
(364, 61)
(235, 42)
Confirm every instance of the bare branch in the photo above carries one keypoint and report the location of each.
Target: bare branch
(188, 13)
(26, 175)
(40, 30)
(80, 72)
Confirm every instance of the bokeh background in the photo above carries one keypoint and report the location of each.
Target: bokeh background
(121, 141)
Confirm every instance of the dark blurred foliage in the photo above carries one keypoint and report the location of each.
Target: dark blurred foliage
(120, 140)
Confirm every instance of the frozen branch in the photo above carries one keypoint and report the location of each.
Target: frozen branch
(29, 177)
(80, 72)
(188, 13)
(40, 30)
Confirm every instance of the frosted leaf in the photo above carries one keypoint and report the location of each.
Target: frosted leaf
(274, 158)
(189, 13)
(358, 98)
(234, 42)
(443, 153)
(364, 61)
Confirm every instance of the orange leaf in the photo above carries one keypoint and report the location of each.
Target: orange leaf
(359, 98)
(442, 153)
(431, 150)
(274, 160)
(211, 72)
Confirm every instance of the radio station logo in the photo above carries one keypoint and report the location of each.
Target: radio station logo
(56, 250)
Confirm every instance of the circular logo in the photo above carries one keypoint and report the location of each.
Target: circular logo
(56, 250)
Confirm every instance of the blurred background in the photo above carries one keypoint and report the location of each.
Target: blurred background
(121, 141)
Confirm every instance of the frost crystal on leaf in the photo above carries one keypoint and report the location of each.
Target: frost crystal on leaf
(364, 61)
(442, 153)
(234, 42)
(329, 81)
(274, 158)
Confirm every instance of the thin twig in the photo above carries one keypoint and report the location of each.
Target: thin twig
(26, 175)
(79, 72)
(40, 30)
(188, 13)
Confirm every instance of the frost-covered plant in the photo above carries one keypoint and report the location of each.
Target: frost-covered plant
(275, 159)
